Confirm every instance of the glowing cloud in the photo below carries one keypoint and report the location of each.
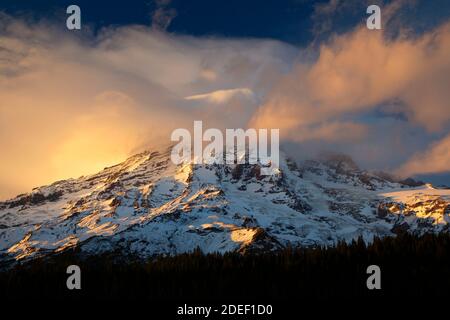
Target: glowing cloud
(434, 160)
(70, 105)
(221, 96)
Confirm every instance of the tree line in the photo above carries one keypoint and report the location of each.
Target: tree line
(411, 266)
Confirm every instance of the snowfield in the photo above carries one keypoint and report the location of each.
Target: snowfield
(417, 193)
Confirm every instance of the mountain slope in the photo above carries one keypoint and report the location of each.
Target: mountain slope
(148, 206)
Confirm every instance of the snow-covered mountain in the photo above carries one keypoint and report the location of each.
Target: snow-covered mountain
(147, 206)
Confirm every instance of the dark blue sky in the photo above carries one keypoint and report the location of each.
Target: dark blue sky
(280, 19)
(288, 20)
(292, 21)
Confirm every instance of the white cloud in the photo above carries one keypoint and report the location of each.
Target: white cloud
(222, 96)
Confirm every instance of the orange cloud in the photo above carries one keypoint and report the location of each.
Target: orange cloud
(434, 160)
(355, 72)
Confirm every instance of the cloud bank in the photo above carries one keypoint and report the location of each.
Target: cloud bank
(71, 104)
(359, 80)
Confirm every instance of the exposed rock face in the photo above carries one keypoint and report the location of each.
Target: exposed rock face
(147, 206)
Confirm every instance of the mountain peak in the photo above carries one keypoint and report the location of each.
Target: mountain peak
(147, 205)
(339, 161)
